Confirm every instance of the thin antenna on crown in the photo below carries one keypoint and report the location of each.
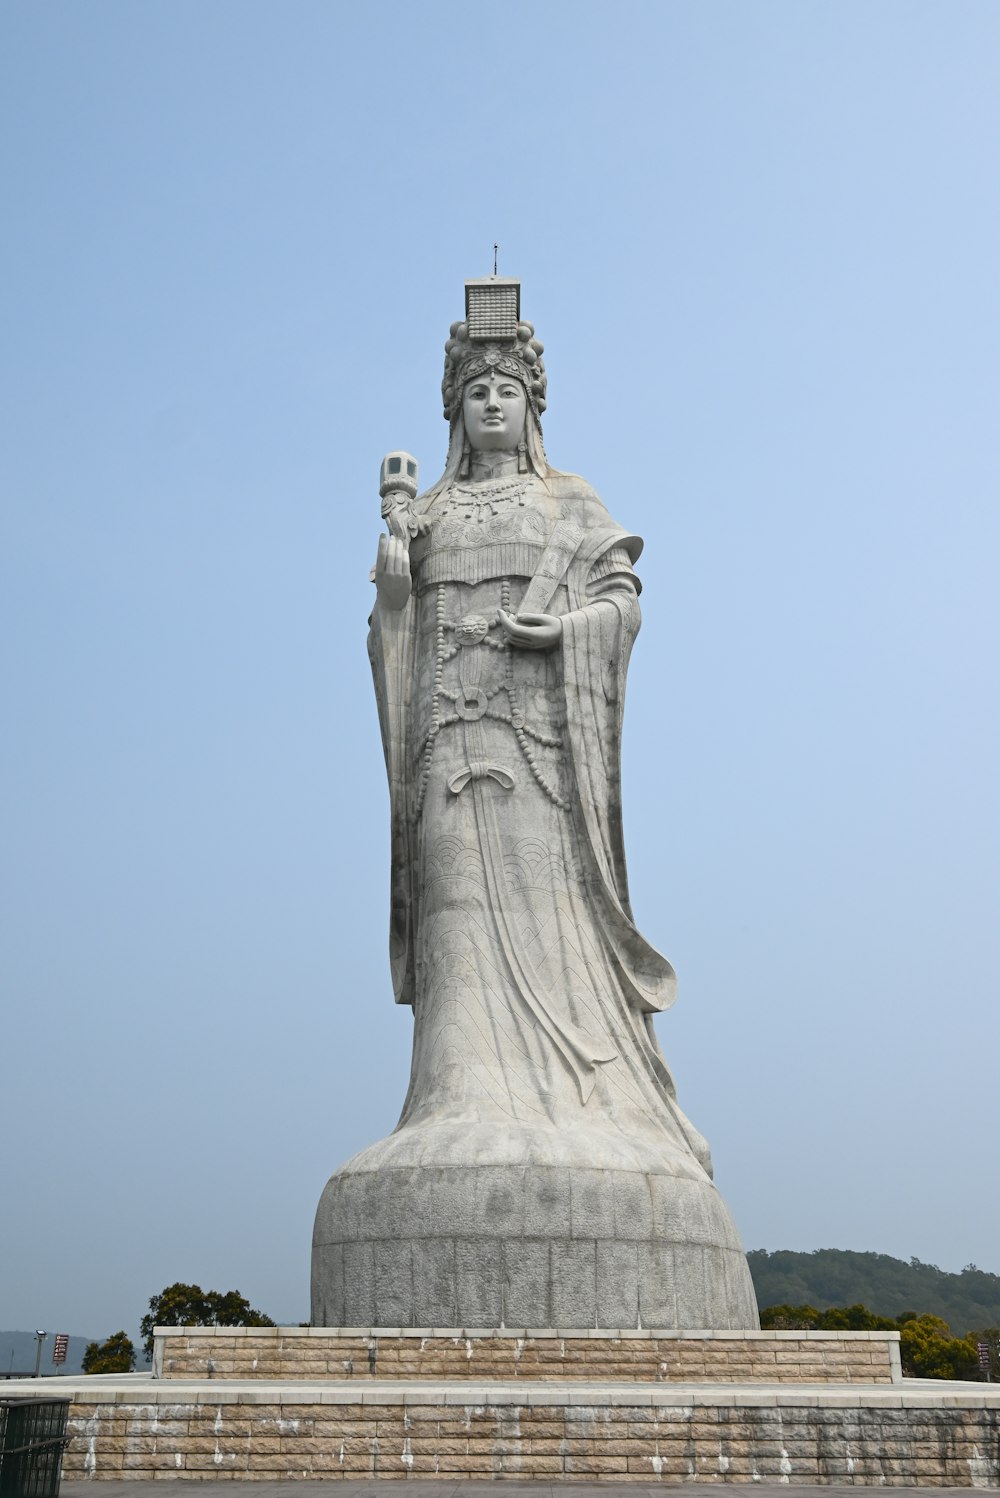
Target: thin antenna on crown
(495, 249)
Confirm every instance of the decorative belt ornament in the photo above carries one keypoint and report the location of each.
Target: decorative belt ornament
(472, 629)
(471, 704)
(480, 770)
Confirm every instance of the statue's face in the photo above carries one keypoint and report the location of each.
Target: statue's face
(494, 408)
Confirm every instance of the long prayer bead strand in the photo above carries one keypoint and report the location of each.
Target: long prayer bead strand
(544, 739)
(529, 755)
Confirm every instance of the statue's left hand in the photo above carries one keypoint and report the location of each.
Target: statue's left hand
(531, 631)
(391, 573)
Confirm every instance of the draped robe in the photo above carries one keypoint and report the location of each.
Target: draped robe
(511, 932)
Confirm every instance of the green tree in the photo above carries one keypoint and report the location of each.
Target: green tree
(190, 1305)
(928, 1350)
(856, 1318)
(116, 1355)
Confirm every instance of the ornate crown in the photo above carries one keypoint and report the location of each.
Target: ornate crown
(492, 337)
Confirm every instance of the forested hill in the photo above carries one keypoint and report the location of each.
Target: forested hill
(968, 1301)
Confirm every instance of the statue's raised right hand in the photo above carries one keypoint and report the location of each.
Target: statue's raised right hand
(392, 573)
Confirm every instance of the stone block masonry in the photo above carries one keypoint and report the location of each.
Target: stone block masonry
(134, 1428)
(344, 1354)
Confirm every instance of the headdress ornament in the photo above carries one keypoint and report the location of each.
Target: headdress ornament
(492, 337)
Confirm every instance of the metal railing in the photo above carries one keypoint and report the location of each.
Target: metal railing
(32, 1441)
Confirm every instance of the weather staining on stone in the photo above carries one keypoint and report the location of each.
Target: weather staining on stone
(542, 1173)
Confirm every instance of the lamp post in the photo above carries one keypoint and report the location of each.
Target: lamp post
(39, 1339)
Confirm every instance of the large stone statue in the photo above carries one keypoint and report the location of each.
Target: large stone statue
(542, 1172)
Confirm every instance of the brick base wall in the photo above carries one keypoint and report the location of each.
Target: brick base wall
(319, 1353)
(888, 1440)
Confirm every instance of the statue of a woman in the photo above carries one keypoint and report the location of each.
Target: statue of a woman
(542, 1172)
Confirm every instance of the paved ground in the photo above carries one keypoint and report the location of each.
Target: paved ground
(434, 1488)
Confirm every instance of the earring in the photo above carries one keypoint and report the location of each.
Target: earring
(522, 456)
(463, 467)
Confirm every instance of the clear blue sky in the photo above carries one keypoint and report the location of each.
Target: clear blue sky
(760, 243)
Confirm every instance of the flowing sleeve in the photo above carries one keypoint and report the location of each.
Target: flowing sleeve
(391, 644)
(598, 635)
(597, 641)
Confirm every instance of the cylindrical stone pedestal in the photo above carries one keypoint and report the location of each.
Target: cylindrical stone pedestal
(474, 1225)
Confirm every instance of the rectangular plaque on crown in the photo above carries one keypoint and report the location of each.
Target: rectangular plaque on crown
(492, 308)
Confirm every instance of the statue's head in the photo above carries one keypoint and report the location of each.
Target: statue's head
(467, 358)
(494, 407)
(494, 379)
